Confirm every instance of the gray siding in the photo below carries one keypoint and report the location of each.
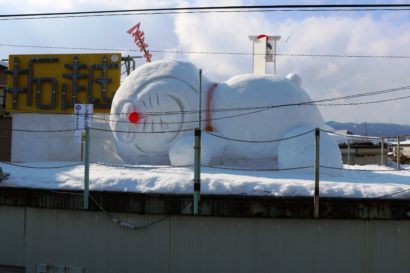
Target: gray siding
(30, 236)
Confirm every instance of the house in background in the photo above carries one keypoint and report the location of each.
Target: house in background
(359, 150)
(404, 151)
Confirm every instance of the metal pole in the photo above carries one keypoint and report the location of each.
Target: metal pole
(348, 151)
(317, 166)
(128, 65)
(86, 167)
(274, 57)
(197, 171)
(382, 151)
(200, 100)
(197, 147)
(398, 153)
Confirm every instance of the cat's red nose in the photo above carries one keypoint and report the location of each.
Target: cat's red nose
(134, 117)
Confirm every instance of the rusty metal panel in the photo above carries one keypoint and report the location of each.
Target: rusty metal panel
(12, 227)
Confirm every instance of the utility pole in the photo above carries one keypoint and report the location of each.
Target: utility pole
(197, 147)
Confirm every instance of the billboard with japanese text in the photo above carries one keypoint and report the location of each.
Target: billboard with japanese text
(56, 82)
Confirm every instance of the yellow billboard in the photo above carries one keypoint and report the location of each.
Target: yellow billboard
(55, 82)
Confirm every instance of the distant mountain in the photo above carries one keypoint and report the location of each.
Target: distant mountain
(372, 129)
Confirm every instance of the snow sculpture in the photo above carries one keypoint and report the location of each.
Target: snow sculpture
(155, 109)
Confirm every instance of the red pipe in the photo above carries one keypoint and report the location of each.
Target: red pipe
(210, 95)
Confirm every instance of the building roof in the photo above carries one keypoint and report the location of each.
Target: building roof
(3, 64)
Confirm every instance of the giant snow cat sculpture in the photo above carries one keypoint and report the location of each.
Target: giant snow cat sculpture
(155, 109)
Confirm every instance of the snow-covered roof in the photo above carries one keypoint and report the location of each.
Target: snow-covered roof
(351, 182)
(3, 64)
(405, 142)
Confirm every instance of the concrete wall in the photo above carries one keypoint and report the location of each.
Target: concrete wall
(58, 146)
(363, 156)
(91, 242)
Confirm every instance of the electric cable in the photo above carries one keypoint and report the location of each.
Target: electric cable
(261, 141)
(363, 170)
(262, 108)
(210, 52)
(351, 136)
(210, 9)
(126, 224)
(365, 137)
(152, 167)
(391, 194)
(41, 167)
(256, 170)
(36, 131)
(142, 132)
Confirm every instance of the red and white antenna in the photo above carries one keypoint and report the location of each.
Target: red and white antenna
(140, 41)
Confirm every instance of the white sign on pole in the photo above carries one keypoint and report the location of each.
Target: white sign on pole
(83, 118)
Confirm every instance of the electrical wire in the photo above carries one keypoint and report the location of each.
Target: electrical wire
(391, 194)
(363, 103)
(259, 108)
(363, 170)
(142, 132)
(351, 136)
(36, 131)
(123, 223)
(210, 9)
(41, 167)
(256, 170)
(311, 102)
(365, 137)
(261, 141)
(211, 52)
(141, 167)
(202, 165)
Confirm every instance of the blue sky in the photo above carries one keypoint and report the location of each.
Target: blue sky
(346, 33)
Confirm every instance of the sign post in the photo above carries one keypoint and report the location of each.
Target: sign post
(83, 121)
(83, 118)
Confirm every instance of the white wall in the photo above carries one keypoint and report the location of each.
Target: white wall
(58, 146)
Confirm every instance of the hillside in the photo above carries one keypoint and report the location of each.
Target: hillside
(372, 129)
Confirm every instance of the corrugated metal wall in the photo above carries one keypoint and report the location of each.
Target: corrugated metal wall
(180, 244)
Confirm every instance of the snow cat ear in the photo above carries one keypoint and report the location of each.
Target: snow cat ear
(295, 79)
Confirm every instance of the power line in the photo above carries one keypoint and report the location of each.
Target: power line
(392, 194)
(41, 167)
(261, 141)
(256, 170)
(363, 170)
(308, 103)
(37, 131)
(127, 224)
(212, 52)
(362, 103)
(256, 108)
(257, 111)
(143, 132)
(210, 9)
(141, 167)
